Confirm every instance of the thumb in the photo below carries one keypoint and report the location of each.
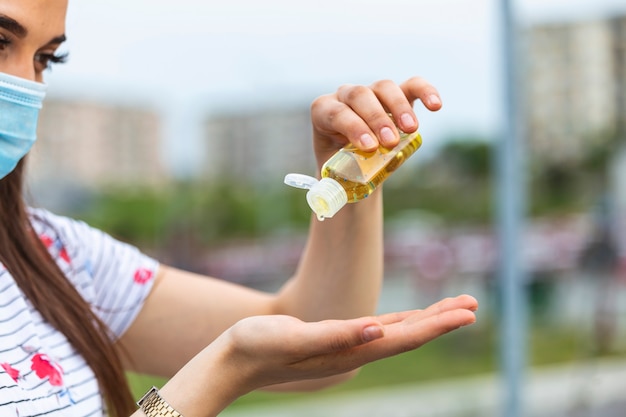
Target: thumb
(339, 335)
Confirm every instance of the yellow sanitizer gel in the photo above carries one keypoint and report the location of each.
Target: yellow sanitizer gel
(351, 175)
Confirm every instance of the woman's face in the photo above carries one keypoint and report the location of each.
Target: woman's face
(30, 33)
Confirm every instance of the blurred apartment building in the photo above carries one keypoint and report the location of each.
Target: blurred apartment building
(259, 146)
(86, 145)
(575, 86)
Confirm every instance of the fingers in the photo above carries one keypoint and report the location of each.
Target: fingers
(425, 325)
(329, 336)
(441, 317)
(411, 335)
(418, 88)
(369, 111)
(464, 301)
(440, 324)
(337, 119)
(397, 104)
(399, 337)
(361, 115)
(461, 302)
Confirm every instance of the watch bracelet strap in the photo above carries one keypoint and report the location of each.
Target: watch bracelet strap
(153, 405)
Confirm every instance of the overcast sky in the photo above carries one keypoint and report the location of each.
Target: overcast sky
(184, 54)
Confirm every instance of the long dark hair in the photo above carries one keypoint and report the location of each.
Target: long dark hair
(40, 278)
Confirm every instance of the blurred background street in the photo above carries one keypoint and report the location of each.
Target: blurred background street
(592, 389)
(181, 124)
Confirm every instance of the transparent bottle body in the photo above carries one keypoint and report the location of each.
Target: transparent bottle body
(360, 173)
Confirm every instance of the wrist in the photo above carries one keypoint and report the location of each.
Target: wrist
(208, 383)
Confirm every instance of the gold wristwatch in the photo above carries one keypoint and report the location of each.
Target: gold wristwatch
(153, 405)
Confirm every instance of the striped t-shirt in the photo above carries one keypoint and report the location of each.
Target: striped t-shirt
(40, 372)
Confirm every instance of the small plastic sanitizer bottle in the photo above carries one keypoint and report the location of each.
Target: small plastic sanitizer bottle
(351, 175)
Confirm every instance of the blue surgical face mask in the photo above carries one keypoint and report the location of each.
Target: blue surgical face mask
(20, 101)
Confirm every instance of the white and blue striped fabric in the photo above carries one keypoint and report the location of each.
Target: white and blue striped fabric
(40, 372)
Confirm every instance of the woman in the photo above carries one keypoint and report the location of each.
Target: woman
(78, 308)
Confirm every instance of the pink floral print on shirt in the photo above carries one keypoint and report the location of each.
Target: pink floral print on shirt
(46, 240)
(45, 368)
(13, 373)
(49, 242)
(142, 275)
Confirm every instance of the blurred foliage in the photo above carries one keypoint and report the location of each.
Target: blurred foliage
(456, 185)
(206, 212)
(468, 157)
(564, 186)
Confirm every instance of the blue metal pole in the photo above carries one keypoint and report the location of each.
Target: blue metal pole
(511, 202)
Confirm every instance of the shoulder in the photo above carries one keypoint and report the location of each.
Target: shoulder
(113, 276)
(44, 221)
(73, 234)
(77, 237)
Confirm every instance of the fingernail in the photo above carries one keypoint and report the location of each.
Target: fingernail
(372, 333)
(433, 100)
(387, 135)
(367, 141)
(407, 120)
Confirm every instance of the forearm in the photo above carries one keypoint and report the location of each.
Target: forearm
(341, 269)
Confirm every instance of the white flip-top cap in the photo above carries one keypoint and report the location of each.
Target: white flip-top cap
(305, 182)
(325, 197)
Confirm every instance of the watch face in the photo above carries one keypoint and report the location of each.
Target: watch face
(147, 395)
(153, 405)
